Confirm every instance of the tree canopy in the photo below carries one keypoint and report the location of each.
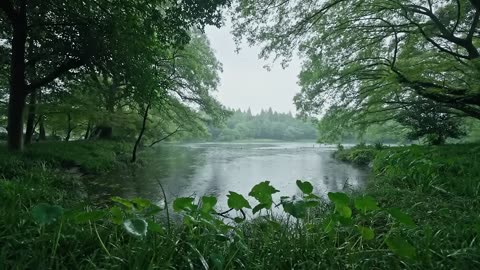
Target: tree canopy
(372, 57)
(265, 125)
(45, 41)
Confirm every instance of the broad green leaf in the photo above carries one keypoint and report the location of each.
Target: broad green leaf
(305, 186)
(92, 216)
(346, 221)
(311, 203)
(401, 217)
(237, 201)
(258, 208)
(208, 203)
(44, 213)
(239, 220)
(126, 203)
(152, 209)
(263, 193)
(401, 247)
(136, 227)
(116, 215)
(365, 204)
(311, 197)
(155, 227)
(367, 233)
(140, 203)
(339, 198)
(343, 210)
(297, 209)
(183, 203)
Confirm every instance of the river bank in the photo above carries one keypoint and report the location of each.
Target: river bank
(439, 186)
(414, 216)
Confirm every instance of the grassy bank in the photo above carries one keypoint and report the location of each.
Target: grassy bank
(439, 186)
(421, 214)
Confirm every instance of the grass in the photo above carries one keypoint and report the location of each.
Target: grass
(437, 187)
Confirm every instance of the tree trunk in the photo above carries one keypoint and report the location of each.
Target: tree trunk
(32, 108)
(42, 136)
(16, 107)
(139, 139)
(87, 133)
(69, 127)
(18, 93)
(102, 132)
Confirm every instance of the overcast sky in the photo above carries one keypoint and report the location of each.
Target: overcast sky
(246, 83)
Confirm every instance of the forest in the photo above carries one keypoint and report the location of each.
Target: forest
(105, 108)
(265, 125)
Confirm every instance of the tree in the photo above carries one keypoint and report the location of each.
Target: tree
(427, 120)
(71, 36)
(372, 55)
(178, 89)
(266, 125)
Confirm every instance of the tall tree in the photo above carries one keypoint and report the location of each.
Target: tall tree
(73, 34)
(372, 55)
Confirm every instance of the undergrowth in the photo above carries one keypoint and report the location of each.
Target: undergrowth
(419, 211)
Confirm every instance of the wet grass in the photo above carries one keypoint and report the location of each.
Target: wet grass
(437, 186)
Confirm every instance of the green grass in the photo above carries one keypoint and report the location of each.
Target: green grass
(359, 155)
(437, 187)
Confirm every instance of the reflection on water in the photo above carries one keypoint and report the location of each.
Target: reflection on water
(216, 168)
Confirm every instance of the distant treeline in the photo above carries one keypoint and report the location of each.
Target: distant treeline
(265, 125)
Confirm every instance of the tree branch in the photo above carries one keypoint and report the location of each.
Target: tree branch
(60, 70)
(473, 26)
(167, 136)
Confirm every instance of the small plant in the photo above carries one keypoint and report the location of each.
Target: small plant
(138, 216)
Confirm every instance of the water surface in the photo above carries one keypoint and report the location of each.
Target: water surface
(216, 168)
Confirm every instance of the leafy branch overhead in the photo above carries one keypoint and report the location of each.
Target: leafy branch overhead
(372, 57)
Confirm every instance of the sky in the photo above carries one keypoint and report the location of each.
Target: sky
(245, 83)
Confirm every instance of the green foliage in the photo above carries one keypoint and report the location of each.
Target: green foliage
(401, 247)
(305, 186)
(237, 201)
(95, 39)
(431, 169)
(427, 120)
(394, 225)
(88, 216)
(401, 217)
(263, 193)
(265, 125)
(367, 233)
(365, 204)
(208, 203)
(370, 57)
(45, 213)
(360, 155)
(136, 227)
(183, 204)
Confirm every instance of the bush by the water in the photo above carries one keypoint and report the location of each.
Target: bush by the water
(359, 155)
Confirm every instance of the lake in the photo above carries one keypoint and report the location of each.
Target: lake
(197, 169)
